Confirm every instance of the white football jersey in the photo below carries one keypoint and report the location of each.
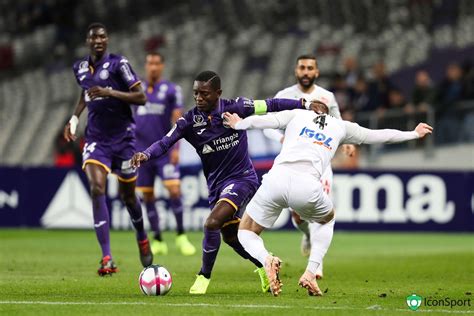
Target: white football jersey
(314, 138)
(318, 93)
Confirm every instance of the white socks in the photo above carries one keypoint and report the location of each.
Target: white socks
(253, 244)
(321, 237)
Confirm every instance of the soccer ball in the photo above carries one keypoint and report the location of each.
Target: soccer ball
(155, 280)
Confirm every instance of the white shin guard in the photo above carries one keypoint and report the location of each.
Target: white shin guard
(253, 244)
(321, 237)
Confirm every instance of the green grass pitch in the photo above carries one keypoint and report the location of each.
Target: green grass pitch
(54, 273)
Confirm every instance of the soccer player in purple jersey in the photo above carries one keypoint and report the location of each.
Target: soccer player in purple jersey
(109, 86)
(154, 120)
(231, 178)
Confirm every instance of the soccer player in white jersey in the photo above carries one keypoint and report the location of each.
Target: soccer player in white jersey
(306, 72)
(311, 140)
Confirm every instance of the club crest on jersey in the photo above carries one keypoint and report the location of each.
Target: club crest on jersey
(83, 67)
(319, 138)
(104, 74)
(199, 121)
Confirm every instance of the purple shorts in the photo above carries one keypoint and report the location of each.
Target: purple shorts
(112, 157)
(236, 192)
(168, 173)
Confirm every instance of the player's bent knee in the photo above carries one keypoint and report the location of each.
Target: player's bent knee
(148, 197)
(229, 233)
(175, 194)
(97, 189)
(212, 224)
(174, 191)
(247, 223)
(128, 198)
(296, 218)
(230, 239)
(329, 217)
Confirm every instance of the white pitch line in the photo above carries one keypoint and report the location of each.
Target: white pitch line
(421, 310)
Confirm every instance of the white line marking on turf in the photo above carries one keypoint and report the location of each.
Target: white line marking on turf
(234, 306)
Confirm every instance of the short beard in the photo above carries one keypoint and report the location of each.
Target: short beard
(308, 85)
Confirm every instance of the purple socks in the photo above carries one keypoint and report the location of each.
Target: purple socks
(101, 223)
(177, 206)
(136, 216)
(210, 248)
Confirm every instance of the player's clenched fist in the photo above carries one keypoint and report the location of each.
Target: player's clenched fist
(423, 129)
(138, 158)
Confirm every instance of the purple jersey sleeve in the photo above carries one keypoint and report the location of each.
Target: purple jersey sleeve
(177, 98)
(160, 147)
(127, 74)
(246, 107)
(176, 103)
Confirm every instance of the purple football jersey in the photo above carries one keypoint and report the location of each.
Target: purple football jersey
(153, 120)
(223, 151)
(109, 119)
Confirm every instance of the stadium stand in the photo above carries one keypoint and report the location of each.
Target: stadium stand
(252, 44)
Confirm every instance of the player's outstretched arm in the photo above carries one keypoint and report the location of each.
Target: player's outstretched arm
(69, 132)
(277, 120)
(356, 134)
(174, 154)
(160, 147)
(274, 134)
(245, 107)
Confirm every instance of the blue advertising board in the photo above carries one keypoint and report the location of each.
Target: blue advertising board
(364, 200)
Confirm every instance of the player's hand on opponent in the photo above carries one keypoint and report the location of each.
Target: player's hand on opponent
(137, 159)
(423, 129)
(230, 120)
(318, 107)
(98, 92)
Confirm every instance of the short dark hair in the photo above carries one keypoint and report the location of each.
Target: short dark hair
(162, 58)
(211, 77)
(307, 56)
(96, 25)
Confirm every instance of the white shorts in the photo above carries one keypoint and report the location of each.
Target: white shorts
(326, 180)
(284, 187)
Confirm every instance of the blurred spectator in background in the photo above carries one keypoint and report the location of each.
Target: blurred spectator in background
(351, 71)
(448, 94)
(396, 100)
(341, 92)
(380, 86)
(389, 115)
(423, 94)
(360, 98)
(468, 118)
